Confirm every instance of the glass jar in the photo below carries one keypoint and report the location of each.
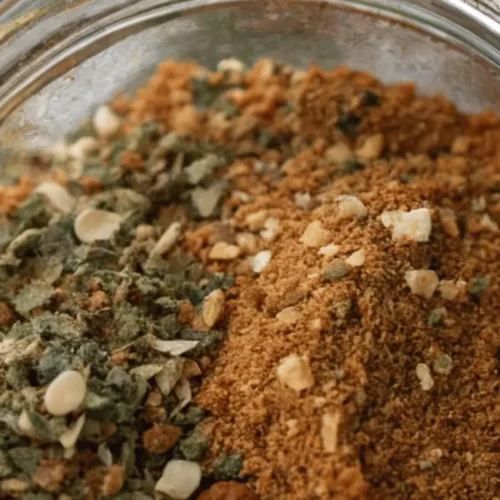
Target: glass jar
(59, 59)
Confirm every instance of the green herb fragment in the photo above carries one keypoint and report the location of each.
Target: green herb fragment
(190, 417)
(169, 327)
(106, 404)
(129, 322)
(203, 168)
(219, 281)
(98, 170)
(33, 295)
(127, 453)
(425, 465)
(103, 254)
(479, 285)
(17, 375)
(50, 325)
(43, 429)
(204, 93)
(90, 353)
(436, 317)
(443, 364)
(26, 242)
(194, 447)
(47, 269)
(33, 213)
(141, 137)
(55, 359)
(349, 124)
(122, 201)
(479, 205)
(8, 436)
(168, 305)
(5, 235)
(265, 137)
(351, 165)
(288, 107)
(25, 458)
(20, 330)
(227, 107)
(58, 239)
(405, 178)
(369, 98)
(336, 270)
(228, 467)
(39, 496)
(207, 341)
(6, 466)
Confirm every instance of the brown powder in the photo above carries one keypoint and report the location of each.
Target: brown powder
(366, 428)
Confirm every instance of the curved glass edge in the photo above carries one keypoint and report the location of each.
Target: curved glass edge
(40, 49)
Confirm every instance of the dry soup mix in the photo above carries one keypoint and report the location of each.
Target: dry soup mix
(254, 283)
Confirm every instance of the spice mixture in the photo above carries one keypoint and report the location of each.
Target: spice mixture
(265, 283)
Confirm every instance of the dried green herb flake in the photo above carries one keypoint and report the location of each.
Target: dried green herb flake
(228, 467)
(349, 124)
(33, 295)
(478, 285)
(194, 447)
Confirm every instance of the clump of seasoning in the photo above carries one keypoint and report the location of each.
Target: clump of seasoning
(107, 324)
(320, 226)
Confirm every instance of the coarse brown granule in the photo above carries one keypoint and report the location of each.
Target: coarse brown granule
(228, 490)
(94, 478)
(161, 438)
(113, 480)
(50, 475)
(131, 160)
(7, 316)
(12, 195)
(97, 301)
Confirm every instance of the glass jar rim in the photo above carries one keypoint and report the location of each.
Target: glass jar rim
(35, 46)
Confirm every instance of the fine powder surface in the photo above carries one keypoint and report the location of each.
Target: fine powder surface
(404, 399)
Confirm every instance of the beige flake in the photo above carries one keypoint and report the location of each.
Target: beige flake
(179, 479)
(356, 259)
(261, 260)
(223, 251)
(213, 307)
(422, 282)
(425, 377)
(248, 242)
(349, 206)
(329, 250)
(106, 122)
(339, 153)
(167, 240)
(415, 225)
(289, 316)
(294, 372)
(329, 431)
(270, 230)
(57, 196)
(450, 289)
(256, 220)
(315, 235)
(372, 148)
(94, 225)
(65, 393)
